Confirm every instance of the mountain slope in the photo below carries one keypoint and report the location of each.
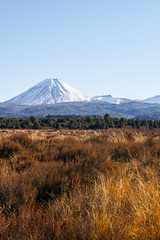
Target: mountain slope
(155, 99)
(110, 99)
(130, 109)
(49, 91)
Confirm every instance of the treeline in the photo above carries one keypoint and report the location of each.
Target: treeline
(75, 122)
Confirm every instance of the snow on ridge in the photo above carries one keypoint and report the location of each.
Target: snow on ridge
(110, 99)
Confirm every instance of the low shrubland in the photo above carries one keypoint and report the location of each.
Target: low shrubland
(102, 184)
(76, 122)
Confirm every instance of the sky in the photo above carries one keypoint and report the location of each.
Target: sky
(98, 47)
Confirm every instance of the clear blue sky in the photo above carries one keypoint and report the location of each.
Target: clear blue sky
(96, 46)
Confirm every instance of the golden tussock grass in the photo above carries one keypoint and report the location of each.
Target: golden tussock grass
(70, 184)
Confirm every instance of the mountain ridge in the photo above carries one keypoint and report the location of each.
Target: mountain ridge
(110, 99)
(53, 91)
(155, 99)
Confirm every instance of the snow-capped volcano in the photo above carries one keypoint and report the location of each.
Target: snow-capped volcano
(49, 91)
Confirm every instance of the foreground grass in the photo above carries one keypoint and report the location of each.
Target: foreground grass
(80, 185)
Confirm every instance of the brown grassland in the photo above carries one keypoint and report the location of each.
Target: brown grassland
(80, 184)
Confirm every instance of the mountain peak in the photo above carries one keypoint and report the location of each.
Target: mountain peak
(50, 81)
(49, 91)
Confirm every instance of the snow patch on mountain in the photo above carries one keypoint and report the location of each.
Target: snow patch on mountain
(110, 99)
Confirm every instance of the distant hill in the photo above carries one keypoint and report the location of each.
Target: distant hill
(127, 110)
(150, 116)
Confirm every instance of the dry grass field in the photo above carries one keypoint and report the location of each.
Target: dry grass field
(80, 184)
